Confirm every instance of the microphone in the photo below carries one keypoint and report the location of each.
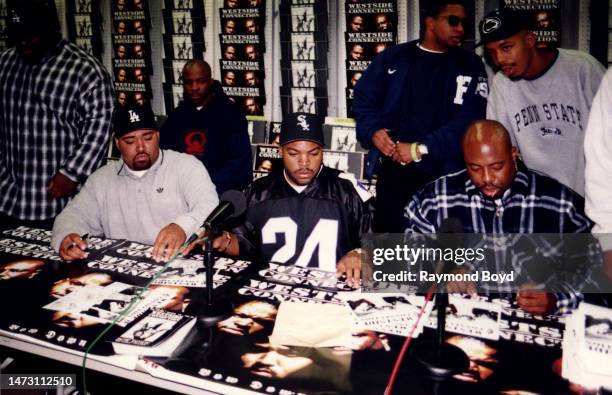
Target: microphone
(232, 204)
(449, 235)
(438, 358)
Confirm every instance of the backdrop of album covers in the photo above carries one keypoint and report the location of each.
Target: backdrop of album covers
(544, 17)
(241, 52)
(173, 94)
(179, 22)
(381, 22)
(130, 98)
(360, 51)
(303, 99)
(370, 38)
(235, 78)
(196, 5)
(241, 21)
(350, 162)
(250, 105)
(303, 75)
(257, 132)
(267, 158)
(182, 47)
(129, 5)
(369, 7)
(173, 70)
(234, 4)
(357, 65)
(83, 22)
(352, 78)
(304, 19)
(129, 55)
(244, 92)
(274, 133)
(242, 39)
(304, 49)
(131, 51)
(342, 138)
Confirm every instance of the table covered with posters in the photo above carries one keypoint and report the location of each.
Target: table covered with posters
(41, 314)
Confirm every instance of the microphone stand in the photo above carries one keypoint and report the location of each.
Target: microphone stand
(214, 310)
(440, 359)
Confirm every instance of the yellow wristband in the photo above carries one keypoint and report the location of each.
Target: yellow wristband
(413, 152)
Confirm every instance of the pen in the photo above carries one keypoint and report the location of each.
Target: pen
(85, 237)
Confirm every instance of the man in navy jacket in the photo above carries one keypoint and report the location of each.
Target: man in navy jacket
(208, 125)
(413, 104)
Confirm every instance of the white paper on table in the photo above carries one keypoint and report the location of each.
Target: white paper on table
(312, 325)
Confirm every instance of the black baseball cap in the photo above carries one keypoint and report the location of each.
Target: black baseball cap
(500, 24)
(129, 119)
(28, 17)
(299, 126)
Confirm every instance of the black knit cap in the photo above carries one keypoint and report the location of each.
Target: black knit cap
(128, 119)
(500, 24)
(299, 126)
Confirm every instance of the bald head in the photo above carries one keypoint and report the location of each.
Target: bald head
(487, 132)
(197, 82)
(489, 157)
(199, 64)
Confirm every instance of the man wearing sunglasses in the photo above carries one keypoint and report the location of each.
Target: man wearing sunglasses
(541, 95)
(412, 105)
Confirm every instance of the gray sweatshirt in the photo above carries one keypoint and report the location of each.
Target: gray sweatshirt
(547, 116)
(117, 204)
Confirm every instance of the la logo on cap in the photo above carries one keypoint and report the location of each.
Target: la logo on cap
(302, 123)
(133, 116)
(490, 25)
(15, 18)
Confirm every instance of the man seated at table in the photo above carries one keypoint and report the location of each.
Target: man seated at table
(151, 196)
(307, 214)
(497, 194)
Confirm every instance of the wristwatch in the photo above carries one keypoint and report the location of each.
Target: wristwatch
(422, 150)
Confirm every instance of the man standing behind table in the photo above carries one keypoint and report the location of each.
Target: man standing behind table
(151, 196)
(209, 126)
(55, 116)
(542, 96)
(412, 105)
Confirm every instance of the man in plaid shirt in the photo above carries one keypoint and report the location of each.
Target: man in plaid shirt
(496, 194)
(55, 116)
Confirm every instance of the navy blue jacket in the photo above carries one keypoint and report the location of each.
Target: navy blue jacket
(380, 92)
(217, 135)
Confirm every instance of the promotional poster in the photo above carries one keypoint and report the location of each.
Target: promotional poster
(68, 304)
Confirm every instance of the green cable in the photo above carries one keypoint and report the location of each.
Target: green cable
(124, 313)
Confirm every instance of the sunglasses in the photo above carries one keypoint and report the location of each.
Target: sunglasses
(454, 20)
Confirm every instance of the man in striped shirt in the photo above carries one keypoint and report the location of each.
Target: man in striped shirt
(496, 194)
(55, 116)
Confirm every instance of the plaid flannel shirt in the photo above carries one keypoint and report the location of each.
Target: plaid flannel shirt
(54, 116)
(534, 203)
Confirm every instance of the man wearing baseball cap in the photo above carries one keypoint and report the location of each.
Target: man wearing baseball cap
(151, 196)
(307, 214)
(541, 95)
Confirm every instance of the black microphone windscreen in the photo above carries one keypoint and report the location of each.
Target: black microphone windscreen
(237, 200)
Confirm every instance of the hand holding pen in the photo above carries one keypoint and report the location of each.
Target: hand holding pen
(74, 247)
